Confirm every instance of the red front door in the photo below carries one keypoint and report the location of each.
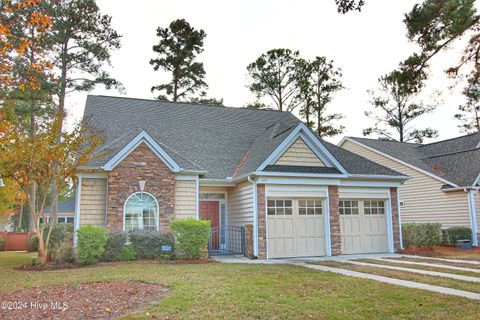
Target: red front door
(210, 210)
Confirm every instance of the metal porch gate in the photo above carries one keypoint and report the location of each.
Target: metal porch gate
(227, 240)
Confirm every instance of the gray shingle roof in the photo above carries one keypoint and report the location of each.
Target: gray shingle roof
(224, 141)
(456, 160)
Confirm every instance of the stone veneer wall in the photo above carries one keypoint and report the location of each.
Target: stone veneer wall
(262, 226)
(395, 220)
(335, 238)
(123, 180)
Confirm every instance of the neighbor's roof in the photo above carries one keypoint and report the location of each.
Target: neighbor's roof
(67, 206)
(456, 160)
(223, 141)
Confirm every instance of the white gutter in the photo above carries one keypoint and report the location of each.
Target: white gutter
(372, 176)
(473, 216)
(255, 216)
(465, 189)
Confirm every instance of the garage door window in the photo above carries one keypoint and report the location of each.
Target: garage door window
(310, 207)
(279, 207)
(374, 207)
(348, 207)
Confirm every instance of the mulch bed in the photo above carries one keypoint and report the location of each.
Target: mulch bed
(442, 252)
(52, 266)
(95, 300)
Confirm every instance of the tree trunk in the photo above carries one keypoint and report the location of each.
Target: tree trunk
(33, 187)
(42, 251)
(61, 116)
(20, 217)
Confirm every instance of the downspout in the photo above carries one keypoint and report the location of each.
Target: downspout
(76, 221)
(255, 216)
(399, 219)
(473, 215)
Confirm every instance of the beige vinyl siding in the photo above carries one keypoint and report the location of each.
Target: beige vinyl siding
(299, 154)
(213, 189)
(240, 204)
(422, 197)
(93, 201)
(185, 199)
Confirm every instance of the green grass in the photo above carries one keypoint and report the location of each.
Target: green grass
(445, 263)
(419, 267)
(437, 281)
(240, 291)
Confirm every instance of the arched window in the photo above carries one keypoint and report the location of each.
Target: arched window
(141, 212)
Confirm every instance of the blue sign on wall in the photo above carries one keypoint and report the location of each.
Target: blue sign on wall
(166, 248)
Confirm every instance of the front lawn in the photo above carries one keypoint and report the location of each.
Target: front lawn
(240, 291)
(409, 276)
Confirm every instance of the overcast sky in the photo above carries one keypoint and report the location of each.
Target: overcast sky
(365, 45)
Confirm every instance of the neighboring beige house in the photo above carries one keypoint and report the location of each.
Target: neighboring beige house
(444, 175)
(262, 178)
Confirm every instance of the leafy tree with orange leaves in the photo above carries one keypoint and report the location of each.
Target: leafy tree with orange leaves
(30, 161)
(26, 69)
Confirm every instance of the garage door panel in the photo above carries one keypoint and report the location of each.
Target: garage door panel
(361, 232)
(296, 235)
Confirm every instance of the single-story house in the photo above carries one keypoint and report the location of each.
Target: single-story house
(294, 194)
(65, 211)
(444, 178)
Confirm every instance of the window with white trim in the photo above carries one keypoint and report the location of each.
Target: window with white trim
(141, 212)
(310, 207)
(65, 220)
(374, 207)
(348, 207)
(279, 207)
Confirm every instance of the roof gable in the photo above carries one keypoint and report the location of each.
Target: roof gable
(302, 132)
(299, 154)
(142, 137)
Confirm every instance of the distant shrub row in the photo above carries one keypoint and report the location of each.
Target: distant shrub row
(430, 235)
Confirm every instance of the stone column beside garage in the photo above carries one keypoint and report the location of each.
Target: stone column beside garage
(140, 165)
(395, 220)
(261, 225)
(335, 238)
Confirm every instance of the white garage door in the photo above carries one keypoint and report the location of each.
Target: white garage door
(363, 226)
(296, 228)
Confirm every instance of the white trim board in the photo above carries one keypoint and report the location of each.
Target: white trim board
(302, 131)
(142, 137)
(397, 160)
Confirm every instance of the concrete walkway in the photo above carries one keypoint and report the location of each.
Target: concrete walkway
(424, 272)
(404, 283)
(426, 264)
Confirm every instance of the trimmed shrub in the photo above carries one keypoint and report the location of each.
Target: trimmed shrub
(453, 234)
(115, 243)
(191, 238)
(62, 233)
(91, 242)
(127, 253)
(60, 243)
(33, 244)
(148, 244)
(2, 244)
(422, 235)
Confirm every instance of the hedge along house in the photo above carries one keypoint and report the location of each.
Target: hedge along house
(444, 178)
(295, 194)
